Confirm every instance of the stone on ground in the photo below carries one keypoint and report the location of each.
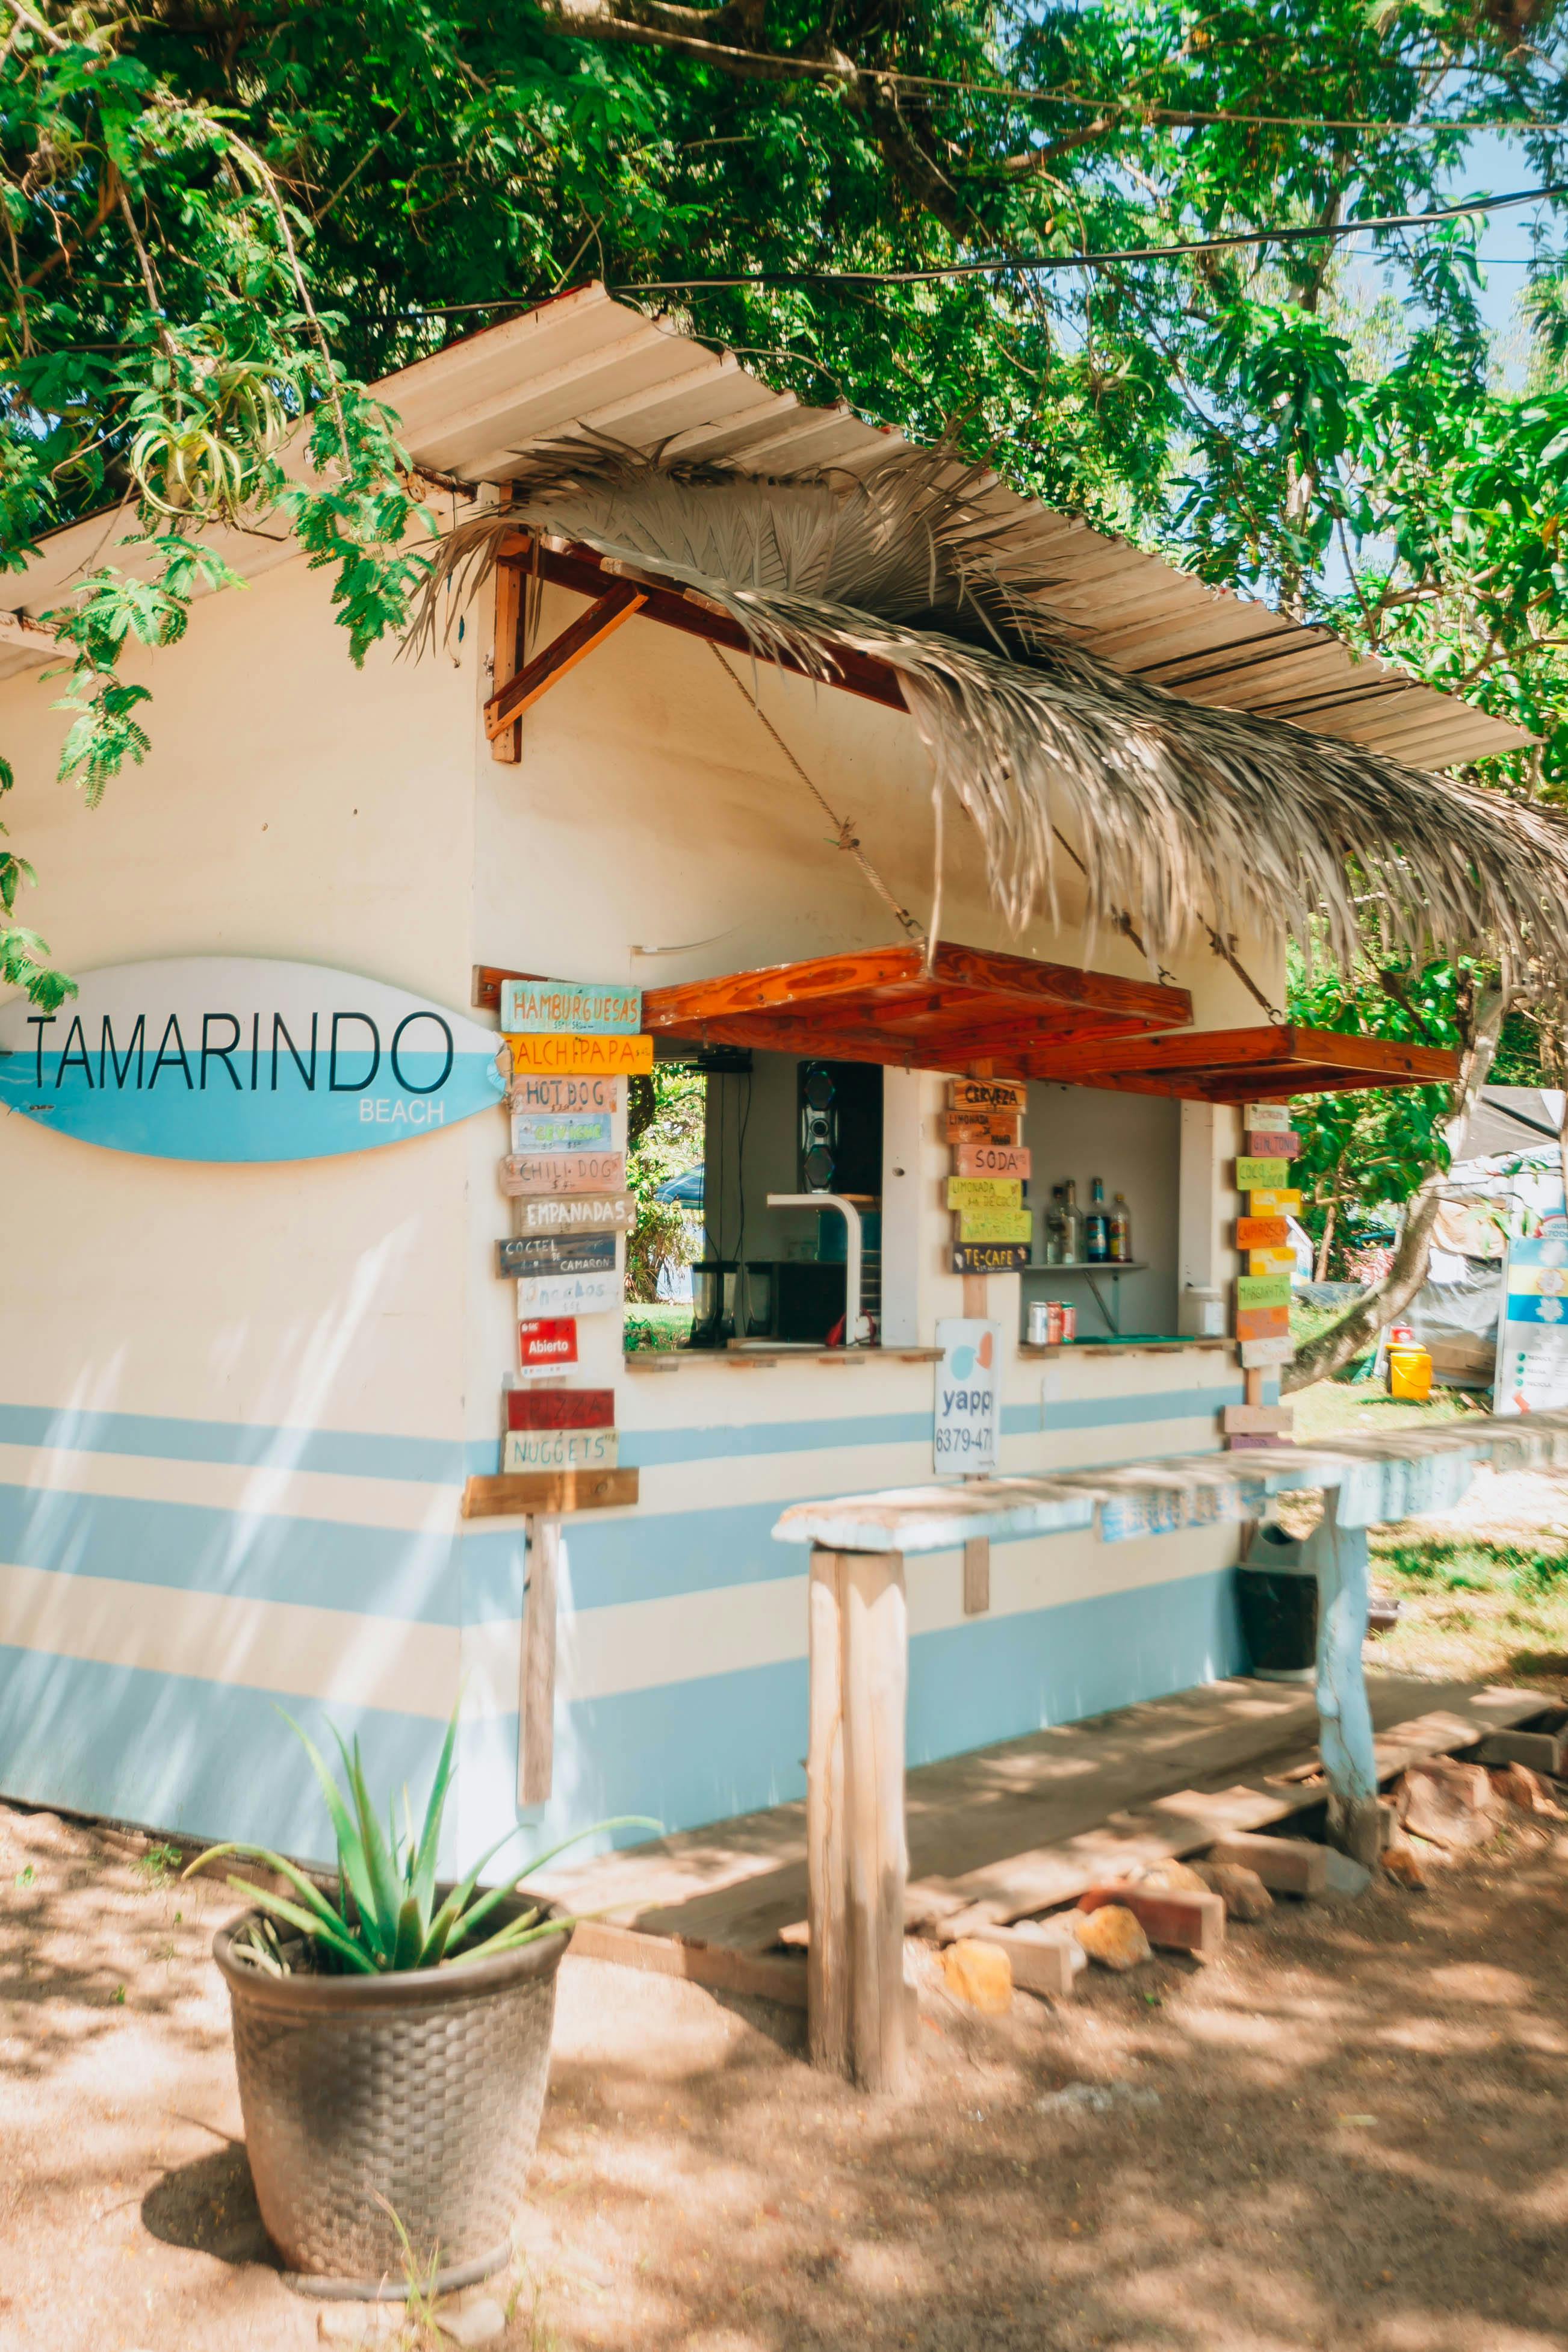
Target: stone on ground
(1402, 1864)
(1243, 1893)
(1177, 1876)
(483, 2321)
(360, 2323)
(1451, 1804)
(1518, 1785)
(980, 1975)
(1111, 1935)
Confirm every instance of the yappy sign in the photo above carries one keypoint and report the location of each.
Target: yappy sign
(238, 1058)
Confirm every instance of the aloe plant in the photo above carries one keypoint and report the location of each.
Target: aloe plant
(386, 1918)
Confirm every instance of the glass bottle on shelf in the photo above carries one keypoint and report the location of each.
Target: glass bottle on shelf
(1096, 1226)
(1071, 1225)
(1055, 1229)
(1121, 1229)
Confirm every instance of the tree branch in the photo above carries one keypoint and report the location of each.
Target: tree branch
(1351, 1336)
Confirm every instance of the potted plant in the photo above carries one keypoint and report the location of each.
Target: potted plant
(392, 2045)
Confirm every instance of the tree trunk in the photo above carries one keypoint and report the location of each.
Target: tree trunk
(1328, 1238)
(1360, 1328)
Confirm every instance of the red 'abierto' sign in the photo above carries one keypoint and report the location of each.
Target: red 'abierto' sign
(547, 1340)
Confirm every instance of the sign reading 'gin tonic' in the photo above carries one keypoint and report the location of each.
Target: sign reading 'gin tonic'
(239, 1058)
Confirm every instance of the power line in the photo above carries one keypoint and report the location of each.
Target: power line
(1295, 234)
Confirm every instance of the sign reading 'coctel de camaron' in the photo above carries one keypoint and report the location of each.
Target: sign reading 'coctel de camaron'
(208, 1058)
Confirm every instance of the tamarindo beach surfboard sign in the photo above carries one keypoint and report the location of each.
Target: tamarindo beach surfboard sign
(236, 1058)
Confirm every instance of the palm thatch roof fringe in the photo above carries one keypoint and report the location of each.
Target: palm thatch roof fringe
(1188, 815)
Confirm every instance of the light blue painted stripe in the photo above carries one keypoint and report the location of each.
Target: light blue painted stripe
(697, 1751)
(180, 1754)
(442, 1461)
(656, 1448)
(370, 1571)
(209, 1759)
(161, 1437)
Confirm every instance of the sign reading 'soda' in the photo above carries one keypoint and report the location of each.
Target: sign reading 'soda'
(208, 1058)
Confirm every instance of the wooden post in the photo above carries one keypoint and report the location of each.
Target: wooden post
(827, 1864)
(1344, 1718)
(857, 1858)
(535, 1731)
(978, 1550)
(507, 646)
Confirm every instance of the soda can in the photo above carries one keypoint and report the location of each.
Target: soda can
(1069, 1320)
(1039, 1316)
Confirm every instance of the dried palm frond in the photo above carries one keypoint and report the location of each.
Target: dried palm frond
(1188, 814)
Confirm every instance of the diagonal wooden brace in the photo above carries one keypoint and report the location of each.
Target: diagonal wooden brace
(562, 653)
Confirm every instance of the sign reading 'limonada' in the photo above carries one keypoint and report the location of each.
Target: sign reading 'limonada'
(209, 1057)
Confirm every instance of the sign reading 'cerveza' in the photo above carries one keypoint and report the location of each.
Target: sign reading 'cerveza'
(237, 1058)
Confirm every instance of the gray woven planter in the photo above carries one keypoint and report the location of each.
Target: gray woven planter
(424, 2089)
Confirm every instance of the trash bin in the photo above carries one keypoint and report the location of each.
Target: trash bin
(1278, 1599)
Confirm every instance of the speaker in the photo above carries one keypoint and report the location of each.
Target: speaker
(840, 1127)
(819, 1127)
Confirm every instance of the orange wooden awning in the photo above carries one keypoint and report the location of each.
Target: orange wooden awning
(1227, 1066)
(973, 1005)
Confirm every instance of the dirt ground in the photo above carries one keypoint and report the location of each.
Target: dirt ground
(1347, 2132)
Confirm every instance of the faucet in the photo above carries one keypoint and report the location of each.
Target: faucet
(854, 1318)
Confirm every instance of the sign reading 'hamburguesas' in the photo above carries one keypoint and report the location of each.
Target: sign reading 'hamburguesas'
(208, 1058)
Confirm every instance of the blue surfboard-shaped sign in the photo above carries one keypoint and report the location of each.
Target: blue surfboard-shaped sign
(241, 1059)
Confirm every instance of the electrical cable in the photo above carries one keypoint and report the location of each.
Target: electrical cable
(1291, 234)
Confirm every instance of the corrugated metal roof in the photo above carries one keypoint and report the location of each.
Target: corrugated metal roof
(585, 359)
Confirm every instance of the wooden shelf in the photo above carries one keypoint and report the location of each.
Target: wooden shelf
(1094, 1266)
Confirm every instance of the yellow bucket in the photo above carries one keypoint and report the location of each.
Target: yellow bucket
(1410, 1374)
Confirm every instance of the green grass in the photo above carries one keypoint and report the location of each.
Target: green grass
(665, 1323)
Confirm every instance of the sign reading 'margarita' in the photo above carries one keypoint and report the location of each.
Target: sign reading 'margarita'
(241, 1059)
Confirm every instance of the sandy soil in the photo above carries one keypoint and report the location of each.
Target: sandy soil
(1347, 2133)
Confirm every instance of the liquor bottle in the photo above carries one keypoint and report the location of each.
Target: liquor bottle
(1096, 1226)
(1121, 1225)
(1055, 1229)
(1072, 1224)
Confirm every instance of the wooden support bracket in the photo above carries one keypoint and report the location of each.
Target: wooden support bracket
(574, 644)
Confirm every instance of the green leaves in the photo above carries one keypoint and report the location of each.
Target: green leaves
(384, 1921)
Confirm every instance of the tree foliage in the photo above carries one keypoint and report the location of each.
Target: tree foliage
(224, 220)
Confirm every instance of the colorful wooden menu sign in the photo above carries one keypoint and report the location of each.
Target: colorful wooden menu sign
(1274, 1200)
(1261, 1233)
(547, 1344)
(986, 1094)
(994, 1225)
(568, 1293)
(542, 1008)
(1011, 1159)
(560, 1449)
(577, 1057)
(560, 1409)
(1258, 1355)
(564, 1095)
(564, 1171)
(1263, 1290)
(561, 1130)
(567, 1212)
(537, 1253)
(1272, 1142)
(984, 1192)
(982, 1127)
(990, 1258)
(1253, 1174)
